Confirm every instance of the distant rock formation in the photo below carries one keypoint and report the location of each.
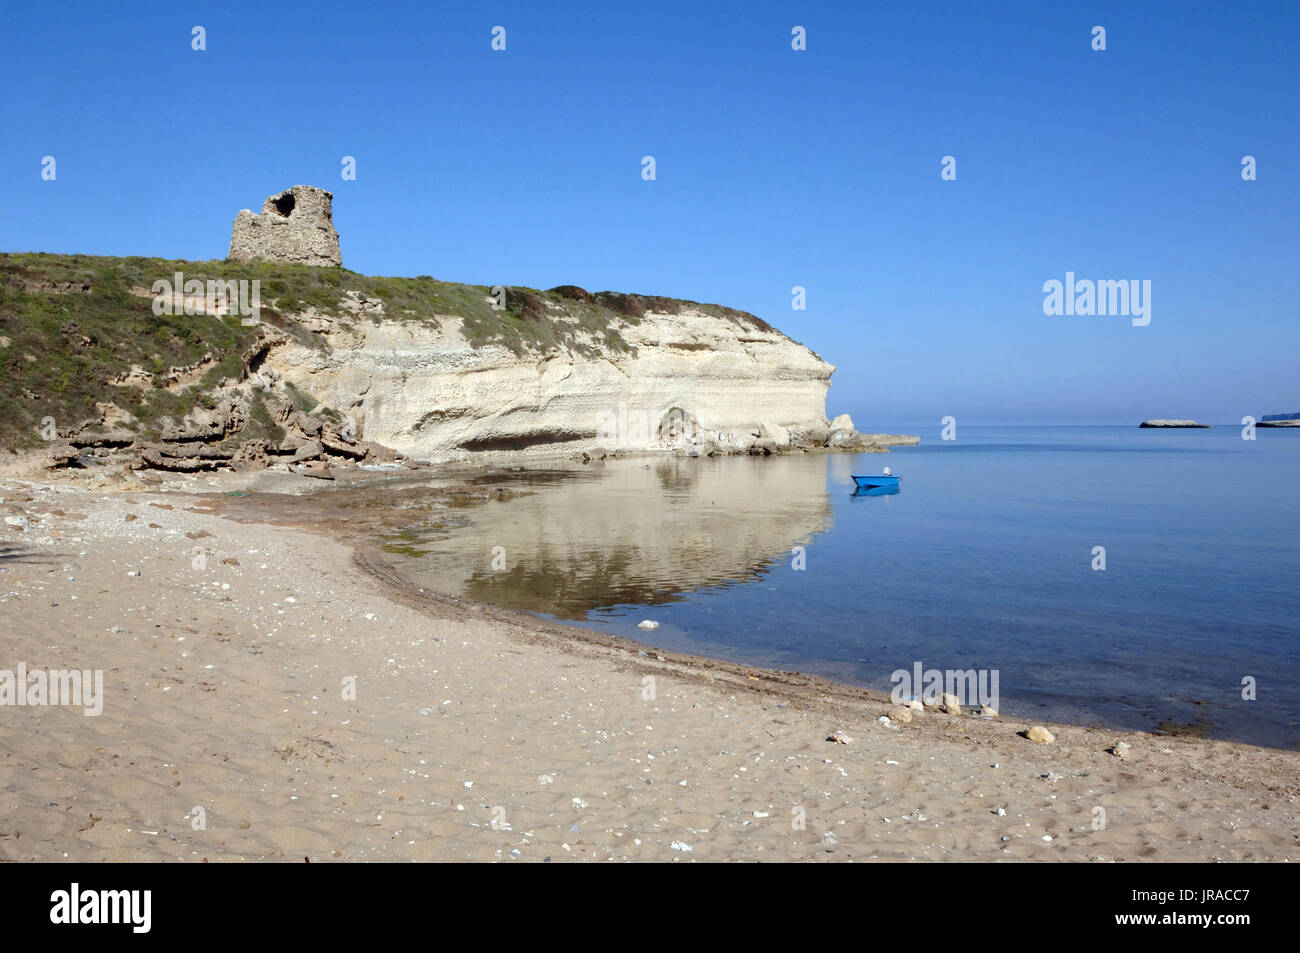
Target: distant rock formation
(1174, 423)
(1280, 420)
(295, 226)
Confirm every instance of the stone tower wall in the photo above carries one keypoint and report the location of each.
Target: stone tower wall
(296, 225)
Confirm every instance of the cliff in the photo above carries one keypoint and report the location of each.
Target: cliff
(181, 365)
(672, 376)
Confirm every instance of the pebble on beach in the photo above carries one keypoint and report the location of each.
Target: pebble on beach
(839, 737)
(1040, 734)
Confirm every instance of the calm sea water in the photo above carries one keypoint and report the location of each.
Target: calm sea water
(984, 560)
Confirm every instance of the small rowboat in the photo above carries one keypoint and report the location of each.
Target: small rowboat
(868, 482)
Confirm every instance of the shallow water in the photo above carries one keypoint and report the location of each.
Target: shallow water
(983, 561)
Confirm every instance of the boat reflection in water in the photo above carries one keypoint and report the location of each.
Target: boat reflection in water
(875, 491)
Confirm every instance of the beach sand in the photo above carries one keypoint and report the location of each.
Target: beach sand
(480, 734)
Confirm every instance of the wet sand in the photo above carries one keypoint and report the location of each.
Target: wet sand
(228, 733)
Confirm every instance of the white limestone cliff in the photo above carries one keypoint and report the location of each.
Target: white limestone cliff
(691, 380)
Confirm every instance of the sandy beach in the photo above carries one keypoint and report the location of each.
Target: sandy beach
(230, 730)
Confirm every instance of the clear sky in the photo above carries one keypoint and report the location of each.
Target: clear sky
(775, 168)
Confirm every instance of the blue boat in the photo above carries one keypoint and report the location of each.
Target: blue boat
(871, 482)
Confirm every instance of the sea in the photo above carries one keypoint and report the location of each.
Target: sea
(1135, 579)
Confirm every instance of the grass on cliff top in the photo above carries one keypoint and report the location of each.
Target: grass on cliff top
(70, 324)
(59, 351)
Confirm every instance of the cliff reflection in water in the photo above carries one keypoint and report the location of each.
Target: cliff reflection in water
(636, 531)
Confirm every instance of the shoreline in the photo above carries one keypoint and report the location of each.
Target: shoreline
(716, 761)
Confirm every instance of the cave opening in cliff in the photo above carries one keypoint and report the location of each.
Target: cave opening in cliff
(256, 361)
(676, 426)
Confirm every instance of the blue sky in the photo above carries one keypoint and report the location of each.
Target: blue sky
(775, 168)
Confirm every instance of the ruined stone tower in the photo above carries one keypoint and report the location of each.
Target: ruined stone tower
(297, 225)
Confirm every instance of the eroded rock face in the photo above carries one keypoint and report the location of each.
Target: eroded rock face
(295, 226)
(688, 380)
(214, 437)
